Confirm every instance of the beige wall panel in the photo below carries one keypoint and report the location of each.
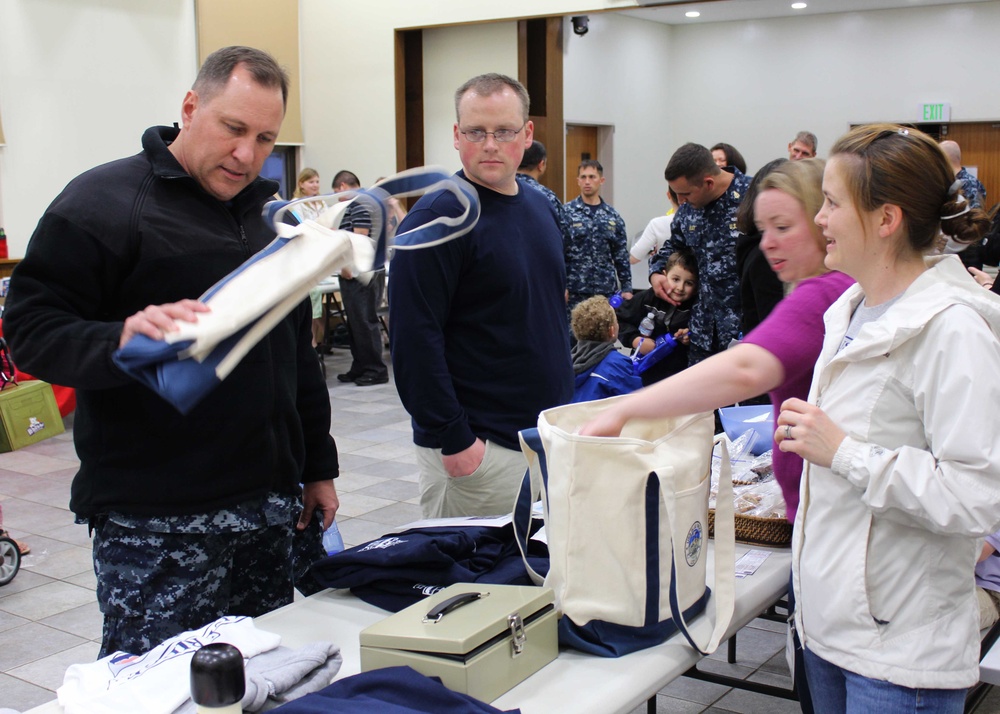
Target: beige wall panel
(271, 25)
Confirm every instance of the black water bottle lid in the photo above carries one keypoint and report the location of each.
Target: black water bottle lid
(217, 675)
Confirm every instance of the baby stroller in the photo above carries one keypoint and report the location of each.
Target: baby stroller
(10, 549)
(10, 558)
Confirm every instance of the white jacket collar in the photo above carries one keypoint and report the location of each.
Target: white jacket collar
(945, 283)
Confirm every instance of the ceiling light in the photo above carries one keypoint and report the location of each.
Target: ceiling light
(692, 13)
(799, 6)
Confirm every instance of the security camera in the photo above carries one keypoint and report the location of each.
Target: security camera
(580, 23)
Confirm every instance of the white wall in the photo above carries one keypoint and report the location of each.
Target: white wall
(79, 82)
(618, 75)
(755, 84)
(451, 56)
(347, 50)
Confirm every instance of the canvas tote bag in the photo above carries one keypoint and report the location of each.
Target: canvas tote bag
(186, 365)
(626, 521)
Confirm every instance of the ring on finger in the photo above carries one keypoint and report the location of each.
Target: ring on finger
(788, 431)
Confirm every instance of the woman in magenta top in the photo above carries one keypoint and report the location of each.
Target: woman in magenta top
(779, 354)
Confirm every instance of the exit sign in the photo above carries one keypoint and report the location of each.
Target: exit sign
(935, 112)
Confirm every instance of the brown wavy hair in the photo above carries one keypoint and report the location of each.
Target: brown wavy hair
(891, 164)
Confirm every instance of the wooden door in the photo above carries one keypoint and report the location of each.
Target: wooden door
(581, 145)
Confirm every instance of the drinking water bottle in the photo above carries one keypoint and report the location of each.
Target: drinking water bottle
(332, 540)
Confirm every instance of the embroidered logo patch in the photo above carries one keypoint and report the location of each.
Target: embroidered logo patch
(34, 426)
(428, 590)
(382, 544)
(693, 544)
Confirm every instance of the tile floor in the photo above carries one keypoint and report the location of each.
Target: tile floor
(49, 617)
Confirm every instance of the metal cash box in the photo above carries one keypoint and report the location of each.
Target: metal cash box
(481, 640)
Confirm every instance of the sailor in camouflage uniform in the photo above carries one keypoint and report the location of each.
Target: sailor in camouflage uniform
(971, 254)
(706, 223)
(973, 190)
(597, 252)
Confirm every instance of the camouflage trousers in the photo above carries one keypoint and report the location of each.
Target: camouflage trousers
(152, 586)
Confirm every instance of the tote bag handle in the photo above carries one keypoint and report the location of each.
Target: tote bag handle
(724, 593)
(533, 483)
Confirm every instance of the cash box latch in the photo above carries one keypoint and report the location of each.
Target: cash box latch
(517, 636)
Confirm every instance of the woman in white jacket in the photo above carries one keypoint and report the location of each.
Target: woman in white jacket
(900, 437)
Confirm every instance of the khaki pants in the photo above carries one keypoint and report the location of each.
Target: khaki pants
(989, 607)
(490, 490)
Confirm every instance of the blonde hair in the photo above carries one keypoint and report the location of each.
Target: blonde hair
(492, 83)
(593, 320)
(803, 181)
(304, 175)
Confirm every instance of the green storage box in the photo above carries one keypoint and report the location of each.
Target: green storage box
(29, 414)
(488, 639)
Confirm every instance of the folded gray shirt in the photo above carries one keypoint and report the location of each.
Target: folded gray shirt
(283, 674)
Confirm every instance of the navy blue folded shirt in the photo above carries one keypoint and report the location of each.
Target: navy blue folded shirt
(393, 690)
(398, 570)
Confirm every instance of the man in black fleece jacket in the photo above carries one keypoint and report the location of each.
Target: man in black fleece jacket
(192, 516)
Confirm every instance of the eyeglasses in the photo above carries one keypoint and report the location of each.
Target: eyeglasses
(503, 136)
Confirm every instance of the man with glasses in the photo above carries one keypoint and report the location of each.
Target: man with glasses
(479, 339)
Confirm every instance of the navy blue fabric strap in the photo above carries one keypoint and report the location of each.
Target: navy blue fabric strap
(523, 516)
(412, 182)
(652, 506)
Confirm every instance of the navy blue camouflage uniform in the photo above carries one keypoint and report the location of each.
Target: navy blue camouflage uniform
(596, 252)
(162, 574)
(711, 233)
(974, 191)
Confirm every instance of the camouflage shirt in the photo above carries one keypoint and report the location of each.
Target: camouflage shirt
(711, 233)
(972, 188)
(597, 251)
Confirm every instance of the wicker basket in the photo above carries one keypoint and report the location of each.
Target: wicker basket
(754, 530)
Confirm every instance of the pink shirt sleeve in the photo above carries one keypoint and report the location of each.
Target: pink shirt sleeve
(793, 332)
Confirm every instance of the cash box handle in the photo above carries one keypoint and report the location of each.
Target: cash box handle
(452, 603)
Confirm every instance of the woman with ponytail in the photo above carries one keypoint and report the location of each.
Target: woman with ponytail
(899, 435)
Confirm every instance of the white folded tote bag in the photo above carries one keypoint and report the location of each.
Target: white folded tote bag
(626, 520)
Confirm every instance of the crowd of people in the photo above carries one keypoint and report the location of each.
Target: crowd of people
(824, 284)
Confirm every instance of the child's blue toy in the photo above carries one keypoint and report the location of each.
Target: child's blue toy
(665, 344)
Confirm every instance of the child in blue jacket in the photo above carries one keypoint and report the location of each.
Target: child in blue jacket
(601, 370)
